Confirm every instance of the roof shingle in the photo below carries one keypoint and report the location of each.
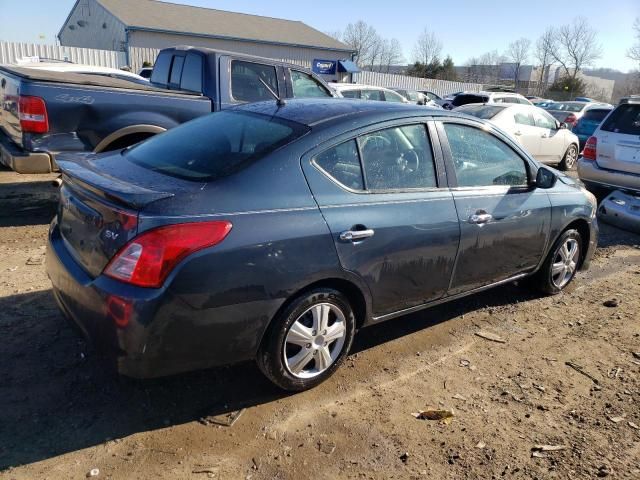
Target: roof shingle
(172, 17)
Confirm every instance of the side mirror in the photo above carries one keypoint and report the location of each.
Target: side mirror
(563, 126)
(545, 178)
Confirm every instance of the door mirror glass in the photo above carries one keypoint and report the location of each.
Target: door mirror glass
(545, 178)
(563, 126)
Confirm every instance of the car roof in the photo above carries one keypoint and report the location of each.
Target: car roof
(357, 86)
(329, 111)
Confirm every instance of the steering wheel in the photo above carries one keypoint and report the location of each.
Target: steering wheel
(409, 161)
(376, 141)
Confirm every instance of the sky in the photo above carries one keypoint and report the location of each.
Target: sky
(467, 29)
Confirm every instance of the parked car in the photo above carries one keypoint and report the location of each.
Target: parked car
(466, 98)
(367, 92)
(539, 133)
(570, 112)
(621, 209)
(588, 123)
(179, 253)
(46, 113)
(419, 98)
(611, 157)
(146, 72)
(538, 101)
(86, 70)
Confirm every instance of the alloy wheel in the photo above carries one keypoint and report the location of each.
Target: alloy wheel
(315, 340)
(571, 157)
(565, 263)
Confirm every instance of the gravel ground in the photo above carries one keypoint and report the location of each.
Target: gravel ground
(560, 398)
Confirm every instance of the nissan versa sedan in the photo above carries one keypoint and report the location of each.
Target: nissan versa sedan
(273, 232)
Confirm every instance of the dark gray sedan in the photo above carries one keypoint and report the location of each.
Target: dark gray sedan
(274, 232)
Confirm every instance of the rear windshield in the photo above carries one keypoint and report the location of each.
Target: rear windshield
(214, 146)
(482, 111)
(624, 119)
(596, 114)
(464, 99)
(567, 106)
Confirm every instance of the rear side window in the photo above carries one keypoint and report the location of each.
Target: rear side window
(372, 95)
(522, 118)
(342, 164)
(480, 159)
(305, 86)
(624, 119)
(247, 81)
(161, 68)
(393, 97)
(215, 145)
(176, 71)
(192, 74)
(398, 158)
(351, 93)
(465, 99)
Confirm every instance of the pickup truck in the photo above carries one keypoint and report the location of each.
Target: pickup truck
(46, 113)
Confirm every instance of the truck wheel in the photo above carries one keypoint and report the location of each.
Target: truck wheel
(561, 264)
(308, 340)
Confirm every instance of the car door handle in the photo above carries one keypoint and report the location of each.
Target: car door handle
(480, 218)
(356, 235)
(544, 135)
(518, 133)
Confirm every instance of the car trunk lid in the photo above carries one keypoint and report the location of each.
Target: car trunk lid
(619, 140)
(98, 212)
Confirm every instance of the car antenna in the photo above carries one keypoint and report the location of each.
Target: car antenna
(280, 102)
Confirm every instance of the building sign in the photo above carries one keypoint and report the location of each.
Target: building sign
(324, 67)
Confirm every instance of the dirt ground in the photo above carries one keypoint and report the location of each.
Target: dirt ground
(567, 376)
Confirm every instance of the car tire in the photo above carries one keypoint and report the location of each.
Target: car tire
(570, 158)
(295, 355)
(560, 266)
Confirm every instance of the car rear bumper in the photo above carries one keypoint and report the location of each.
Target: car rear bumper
(592, 175)
(162, 334)
(22, 161)
(621, 210)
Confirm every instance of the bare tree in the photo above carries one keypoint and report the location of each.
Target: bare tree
(484, 69)
(576, 47)
(544, 55)
(391, 54)
(634, 51)
(428, 48)
(517, 54)
(361, 37)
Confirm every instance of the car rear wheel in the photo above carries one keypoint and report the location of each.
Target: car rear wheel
(570, 158)
(561, 264)
(308, 341)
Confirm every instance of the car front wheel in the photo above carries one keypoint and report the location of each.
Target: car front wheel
(561, 265)
(308, 341)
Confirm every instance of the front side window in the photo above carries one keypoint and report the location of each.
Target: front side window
(342, 164)
(305, 86)
(544, 120)
(398, 158)
(215, 145)
(351, 93)
(481, 159)
(248, 81)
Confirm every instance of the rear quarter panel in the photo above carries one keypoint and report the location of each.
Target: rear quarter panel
(80, 117)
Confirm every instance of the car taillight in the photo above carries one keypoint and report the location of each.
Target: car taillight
(571, 119)
(147, 259)
(590, 149)
(33, 114)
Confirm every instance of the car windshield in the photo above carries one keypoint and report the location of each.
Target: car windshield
(596, 114)
(215, 145)
(486, 112)
(567, 106)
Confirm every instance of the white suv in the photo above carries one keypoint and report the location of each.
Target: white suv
(367, 92)
(465, 98)
(611, 157)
